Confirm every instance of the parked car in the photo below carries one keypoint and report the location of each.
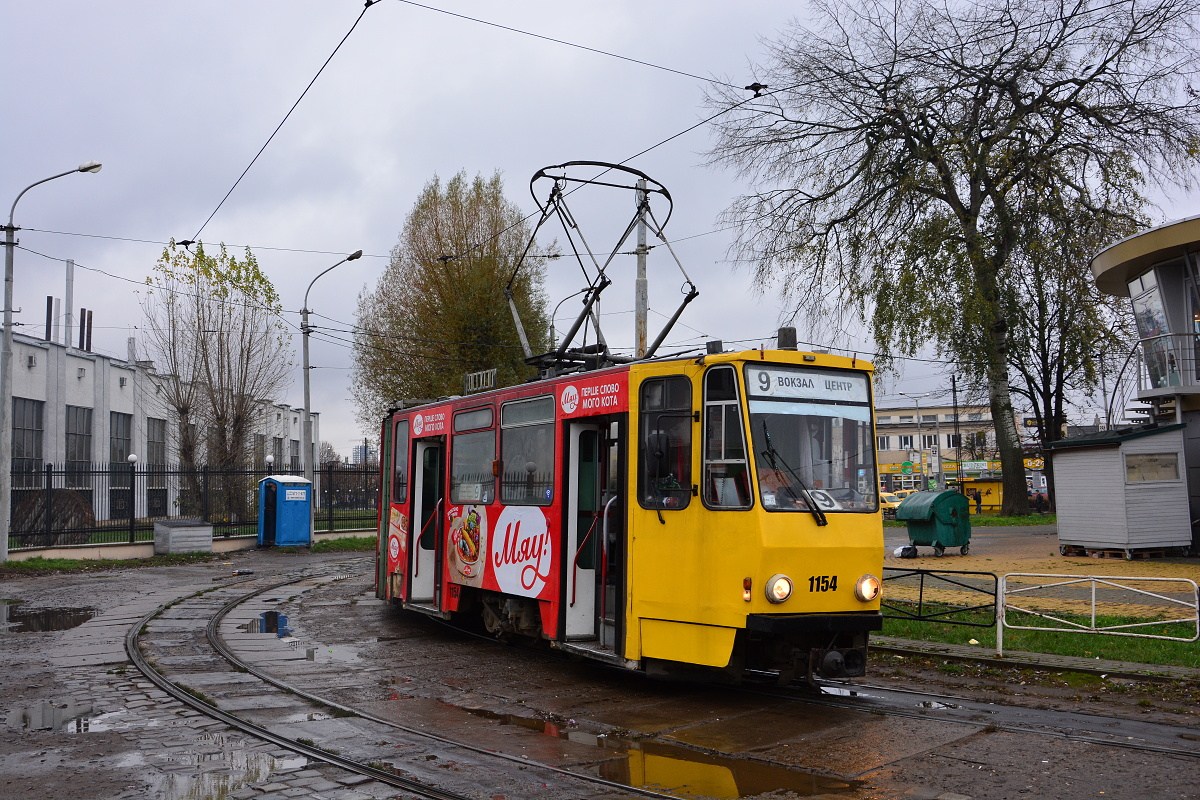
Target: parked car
(889, 502)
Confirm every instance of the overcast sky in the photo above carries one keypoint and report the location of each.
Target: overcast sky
(177, 98)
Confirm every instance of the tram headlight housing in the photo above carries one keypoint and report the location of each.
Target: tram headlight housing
(867, 588)
(778, 588)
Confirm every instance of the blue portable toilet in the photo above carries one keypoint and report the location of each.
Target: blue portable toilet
(284, 511)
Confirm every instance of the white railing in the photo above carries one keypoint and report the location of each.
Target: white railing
(1061, 590)
(1168, 364)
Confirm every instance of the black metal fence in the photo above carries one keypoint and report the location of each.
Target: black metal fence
(119, 503)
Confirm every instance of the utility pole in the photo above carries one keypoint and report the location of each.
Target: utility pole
(640, 301)
(957, 433)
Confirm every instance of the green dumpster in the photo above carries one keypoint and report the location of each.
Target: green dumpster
(938, 519)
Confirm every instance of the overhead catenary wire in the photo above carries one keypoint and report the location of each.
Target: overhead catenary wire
(353, 329)
(368, 4)
(759, 92)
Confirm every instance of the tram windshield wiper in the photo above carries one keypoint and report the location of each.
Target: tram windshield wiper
(775, 459)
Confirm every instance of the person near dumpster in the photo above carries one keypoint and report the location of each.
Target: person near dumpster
(1039, 503)
(978, 502)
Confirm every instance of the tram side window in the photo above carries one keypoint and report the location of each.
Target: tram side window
(527, 452)
(726, 477)
(665, 443)
(474, 451)
(400, 463)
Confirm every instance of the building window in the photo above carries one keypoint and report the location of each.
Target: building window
(884, 419)
(1151, 467)
(929, 441)
(883, 443)
(976, 417)
(27, 442)
(260, 449)
(527, 451)
(120, 440)
(79, 445)
(277, 451)
(156, 441)
(906, 441)
(906, 418)
(156, 467)
(294, 453)
(953, 440)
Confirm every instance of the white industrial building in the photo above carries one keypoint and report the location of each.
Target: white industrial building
(74, 407)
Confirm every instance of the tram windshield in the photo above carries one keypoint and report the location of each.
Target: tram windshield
(813, 439)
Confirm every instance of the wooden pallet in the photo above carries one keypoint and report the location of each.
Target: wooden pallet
(1132, 555)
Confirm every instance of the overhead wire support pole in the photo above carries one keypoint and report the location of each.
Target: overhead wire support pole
(640, 295)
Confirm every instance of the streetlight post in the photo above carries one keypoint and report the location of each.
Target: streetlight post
(308, 437)
(937, 435)
(6, 373)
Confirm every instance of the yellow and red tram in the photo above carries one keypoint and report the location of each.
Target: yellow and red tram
(718, 511)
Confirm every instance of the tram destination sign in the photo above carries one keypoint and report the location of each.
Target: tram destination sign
(807, 384)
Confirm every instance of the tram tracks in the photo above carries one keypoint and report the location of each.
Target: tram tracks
(493, 772)
(200, 619)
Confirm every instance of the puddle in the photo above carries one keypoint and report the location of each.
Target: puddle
(308, 716)
(16, 619)
(221, 765)
(269, 622)
(680, 770)
(49, 716)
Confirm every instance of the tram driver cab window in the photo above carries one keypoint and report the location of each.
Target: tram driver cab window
(665, 443)
(726, 475)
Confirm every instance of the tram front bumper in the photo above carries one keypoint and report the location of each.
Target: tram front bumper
(786, 624)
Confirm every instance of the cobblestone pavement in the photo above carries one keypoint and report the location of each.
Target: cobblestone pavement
(80, 721)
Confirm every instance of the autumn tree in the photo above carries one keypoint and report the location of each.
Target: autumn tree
(903, 153)
(439, 309)
(212, 326)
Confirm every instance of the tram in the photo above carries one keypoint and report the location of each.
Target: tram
(715, 513)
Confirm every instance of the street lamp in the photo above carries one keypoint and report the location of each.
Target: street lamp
(308, 437)
(6, 395)
(937, 435)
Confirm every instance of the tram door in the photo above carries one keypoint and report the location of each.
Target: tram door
(592, 601)
(428, 501)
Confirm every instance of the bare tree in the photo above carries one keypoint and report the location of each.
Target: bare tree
(326, 454)
(902, 148)
(213, 330)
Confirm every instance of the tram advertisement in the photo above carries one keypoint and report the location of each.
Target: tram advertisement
(468, 543)
(604, 394)
(517, 552)
(397, 539)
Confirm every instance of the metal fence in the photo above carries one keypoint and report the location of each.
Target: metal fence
(119, 503)
(1143, 607)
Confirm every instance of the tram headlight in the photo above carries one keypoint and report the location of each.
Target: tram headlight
(779, 588)
(867, 588)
